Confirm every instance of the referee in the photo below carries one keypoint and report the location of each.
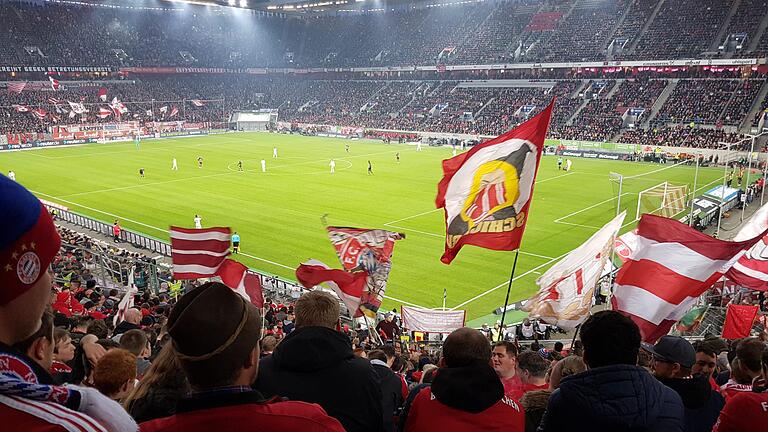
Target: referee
(235, 242)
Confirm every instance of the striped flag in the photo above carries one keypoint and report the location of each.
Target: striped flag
(235, 275)
(54, 83)
(751, 270)
(21, 108)
(672, 265)
(174, 112)
(198, 253)
(197, 102)
(39, 113)
(348, 286)
(54, 101)
(16, 87)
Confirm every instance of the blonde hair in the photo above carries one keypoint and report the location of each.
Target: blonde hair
(166, 363)
(317, 308)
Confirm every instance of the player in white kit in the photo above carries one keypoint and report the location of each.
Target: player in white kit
(174, 165)
(274, 152)
(263, 165)
(333, 166)
(568, 164)
(418, 146)
(12, 175)
(198, 222)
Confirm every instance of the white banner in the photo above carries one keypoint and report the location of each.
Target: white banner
(432, 321)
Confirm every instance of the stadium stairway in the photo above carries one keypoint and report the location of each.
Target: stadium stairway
(724, 27)
(757, 104)
(758, 35)
(618, 25)
(656, 107)
(647, 25)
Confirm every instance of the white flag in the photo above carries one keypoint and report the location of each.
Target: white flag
(567, 288)
(127, 301)
(755, 225)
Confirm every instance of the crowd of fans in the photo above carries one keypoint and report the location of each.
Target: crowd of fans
(476, 33)
(681, 136)
(699, 101)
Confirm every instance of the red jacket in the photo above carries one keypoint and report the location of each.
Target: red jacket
(744, 412)
(244, 412)
(429, 414)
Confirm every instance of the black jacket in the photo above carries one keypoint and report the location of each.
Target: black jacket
(614, 398)
(391, 392)
(316, 364)
(123, 327)
(702, 404)
(535, 404)
(161, 400)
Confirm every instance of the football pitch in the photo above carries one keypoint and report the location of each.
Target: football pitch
(278, 212)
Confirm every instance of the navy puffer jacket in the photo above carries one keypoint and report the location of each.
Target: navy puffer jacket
(613, 398)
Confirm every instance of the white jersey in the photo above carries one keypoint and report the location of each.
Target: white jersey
(274, 152)
(568, 164)
(12, 175)
(174, 166)
(332, 165)
(418, 146)
(263, 165)
(198, 222)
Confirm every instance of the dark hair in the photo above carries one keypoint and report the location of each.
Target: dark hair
(465, 346)
(429, 376)
(98, 328)
(508, 346)
(389, 350)
(610, 338)
(134, 341)
(532, 362)
(703, 347)
(377, 354)
(750, 352)
(45, 330)
(558, 346)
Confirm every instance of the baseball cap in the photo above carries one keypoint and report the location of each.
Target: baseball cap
(673, 349)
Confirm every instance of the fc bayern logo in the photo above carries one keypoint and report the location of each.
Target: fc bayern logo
(28, 268)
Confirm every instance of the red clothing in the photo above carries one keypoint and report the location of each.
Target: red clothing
(714, 385)
(240, 413)
(512, 386)
(33, 416)
(744, 412)
(518, 393)
(731, 389)
(116, 230)
(429, 414)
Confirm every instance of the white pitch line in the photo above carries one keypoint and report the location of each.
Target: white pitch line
(555, 177)
(405, 302)
(483, 294)
(558, 220)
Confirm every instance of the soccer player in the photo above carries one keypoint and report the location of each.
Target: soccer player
(235, 242)
(263, 165)
(454, 151)
(346, 148)
(198, 222)
(12, 175)
(559, 163)
(370, 168)
(141, 172)
(418, 146)
(137, 141)
(274, 152)
(199, 161)
(174, 165)
(397, 156)
(240, 165)
(568, 164)
(333, 166)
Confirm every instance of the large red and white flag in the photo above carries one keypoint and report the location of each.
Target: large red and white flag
(16, 87)
(486, 192)
(369, 250)
(236, 276)
(174, 112)
(39, 113)
(103, 113)
(751, 270)
(54, 83)
(102, 94)
(77, 108)
(348, 286)
(672, 265)
(566, 290)
(198, 253)
(54, 101)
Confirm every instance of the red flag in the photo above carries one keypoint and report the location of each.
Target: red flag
(54, 101)
(672, 265)
(103, 113)
(738, 321)
(348, 286)
(54, 83)
(486, 192)
(39, 113)
(198, 253)
(21, 108)
(103, 94)
(235, 275)
(16, 87)
(174, 112)
(197, 102)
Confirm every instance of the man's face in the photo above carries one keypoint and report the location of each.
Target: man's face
(503, 363)
(705, 364)
(662, 368)
(389, 318)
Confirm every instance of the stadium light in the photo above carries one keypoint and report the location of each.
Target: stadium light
(232, 2)
(243, 3)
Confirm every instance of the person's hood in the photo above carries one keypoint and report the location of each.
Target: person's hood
(310, 349)
(615, 397)
(695, 392)
(472, 388)
(535, 400)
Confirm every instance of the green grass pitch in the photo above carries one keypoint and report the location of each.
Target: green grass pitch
(278, 213)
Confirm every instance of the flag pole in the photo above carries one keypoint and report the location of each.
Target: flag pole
(509, 288)
(693, 192)
(746, 183)
(445, 294)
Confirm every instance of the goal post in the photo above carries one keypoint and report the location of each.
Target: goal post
(664, 199)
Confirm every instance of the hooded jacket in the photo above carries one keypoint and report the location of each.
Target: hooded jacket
(316, 364)
(391, 392)
(467, 398)
(702, 404)
(613, 398)
(535, 404)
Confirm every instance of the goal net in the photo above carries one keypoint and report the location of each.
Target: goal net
(664, 199)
